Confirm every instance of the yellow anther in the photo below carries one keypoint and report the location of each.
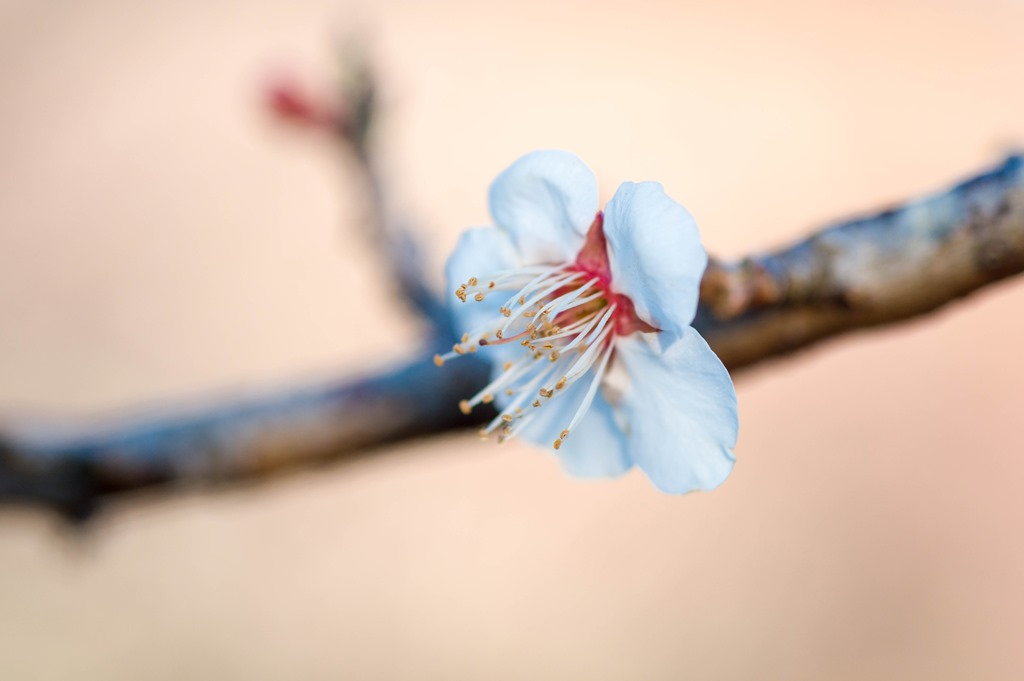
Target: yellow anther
(458, 349)
(522, 300)
(546, 392)
(561, 383)
(536, 403)
(510, 392)
(564, 434)
(554, 356)
(482, 433)
(439, 360)
(506, 366)
(478, 297)
(507, 418)
(491, 285)
(472, 349)
(487, 398)
(547, 346)
(498, 334)
(465, 338)
(558, 444)
(464, 407)
(472, 281)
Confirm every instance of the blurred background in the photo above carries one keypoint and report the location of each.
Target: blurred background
(163, 240)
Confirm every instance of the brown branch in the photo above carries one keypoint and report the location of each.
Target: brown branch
(876, 270)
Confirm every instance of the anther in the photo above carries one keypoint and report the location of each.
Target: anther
(564, 434)
(507, 418)
(487, 398)
(478, 297)
(439, 360)
(458, 349)
(464, 407)
(561, 383)
(472, 281)
(558, 444)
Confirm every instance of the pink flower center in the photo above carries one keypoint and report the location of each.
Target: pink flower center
(593, 260)
(565, 317)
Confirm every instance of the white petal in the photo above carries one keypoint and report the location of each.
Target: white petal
(546, 201)
(596, 448)
(655, 252)
(680, 412)
(481, 252)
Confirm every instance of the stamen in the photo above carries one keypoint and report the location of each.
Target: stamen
(591, 392)
(553, 285)
(552, 311)
(516, 406)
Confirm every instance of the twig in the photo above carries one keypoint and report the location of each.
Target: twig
(876, 270)
(871, 271)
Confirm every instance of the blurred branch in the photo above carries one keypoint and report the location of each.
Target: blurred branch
(875, 270)
(871, 271)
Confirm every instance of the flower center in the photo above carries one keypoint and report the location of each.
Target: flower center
(564, 318)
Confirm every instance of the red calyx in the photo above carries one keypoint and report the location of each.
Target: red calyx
(593, 260)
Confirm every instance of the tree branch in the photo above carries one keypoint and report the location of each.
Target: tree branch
(875, 270)
(871, 271)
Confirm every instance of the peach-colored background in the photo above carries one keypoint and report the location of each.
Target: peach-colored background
(160, 239)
